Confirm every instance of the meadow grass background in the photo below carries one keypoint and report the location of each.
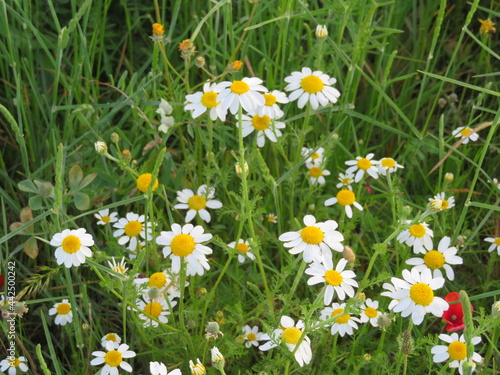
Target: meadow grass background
(410, 72)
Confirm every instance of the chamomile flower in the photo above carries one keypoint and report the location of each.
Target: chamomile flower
(456, 350)
(363, 165)
(263, 125)
(346, 180)
(417, 235)
(440, 203)
(185, 242)
(113, 358)
(112, 338)
(435, 260)
(315, 240)
(130, 228)
(270, 108)
(495, 182)
(313, 87)
(252, 336)
(495, 244)
(158, 308)
(388, 165)
(416, 296)
(197, 203)
(337, 280)
(104, 217)
(313, 157)
(465, 133)
(290, 333)
(208, 100)
(244, 250)
(316, 174)
(63, 312)
(345, 198)
(197, 369)
(272, 218)
(118, 267)
(72, 246)
(244, 92)
(12, 364)
(370, 312)
(343, 324)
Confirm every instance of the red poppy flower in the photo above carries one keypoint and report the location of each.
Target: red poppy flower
(454, 316)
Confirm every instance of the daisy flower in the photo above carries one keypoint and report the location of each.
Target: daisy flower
(252, 336)
(346, 180)
(13, 363)
(417, 235)
(158, 308)
(465, 132)
(290, 333)
(197, 369)
(197, 203)
(362, 165)
(388, 165)
(343, 324)
(105, 217)
(118, 267)
(130, 228)
(416, 296)
(72, 246)
(495, 243)
(270, 108)
(435, 260)
(440, 203)
(244, 249)
(313, 156)
(158, 368)
(315, 240)
(113, 358)
(244, 92)
(495, 182)
(185, 243)
(111, 338)
(316, 174)
(370, 312)
(336, 280)
(345, 198)
(208, 100)
(63, 312)
(264, 125)
(313, 87)
(144, 181)
(455, 351)
(272, 218)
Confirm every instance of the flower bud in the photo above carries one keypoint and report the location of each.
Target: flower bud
(349, 254)
(449, 176)
(101, 147)
(218, 360)
(234, 67)
(115, 137)
(239, 170)
(383, 321)
(199, 61)
(495, 309)
(321, 32)
(127, 156)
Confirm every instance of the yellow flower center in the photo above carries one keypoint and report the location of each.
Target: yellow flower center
(270, 99)
(421, 294)
(465, 132)
(144, 181)
(197, 202)
(182, 245)
(334, 278)
(346, 181)
(346, 197)
(111, 337)
(364, 164)
(497, 241)
(487, 26)
(236, 65)
(71, 244)
(315, 172)
(444, 204)
(105, 219)
(388, 163)
(434, 259)
(14, 362)
(158, 29)
(312, 235)
(315, 156)
(242, 247)
(209, 99)
(251, 336)
(371, 312)
(291, 335)
(154, 309)
(457, 350)
(343, 319)
(158, 279)
(113, 358)
(133, 228)
(312, 84)
(417, 230)
(239, 87)
(261, 122)
(63, 309)
(119, 269)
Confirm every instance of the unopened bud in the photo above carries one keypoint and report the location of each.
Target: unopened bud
(406, 343)
(153, 292)
(115, 137)
(234, 67)
(442, 102)
(218, 360)
(449, 176)
(101, 147)
(199, 61)
(239, 170)
(383, 321)
(362, 296)
(321, 32)
(367, 357)
(495, 309)
(127, 156)
(85, 326)
(349, 254)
